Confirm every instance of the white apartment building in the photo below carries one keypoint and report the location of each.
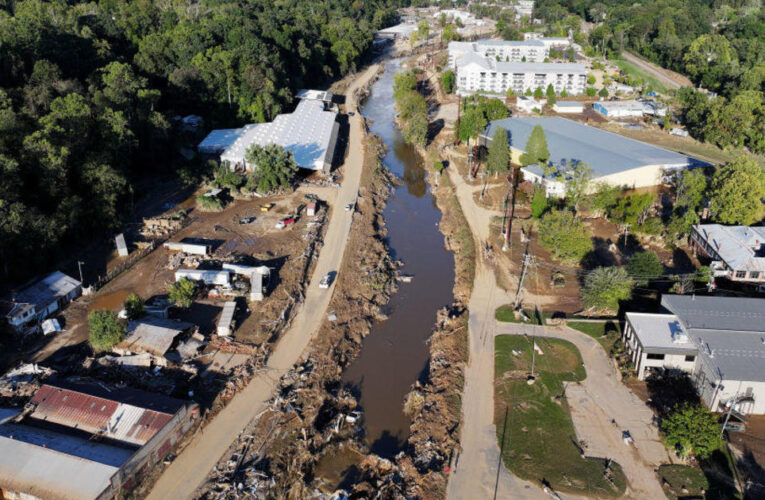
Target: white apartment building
(558, 42)
(499, 50)
(475, 73)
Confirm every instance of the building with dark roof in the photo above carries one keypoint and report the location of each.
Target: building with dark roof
(736, 252)
(37, 301)
(86, 441)
(719, 341)
(614, 159)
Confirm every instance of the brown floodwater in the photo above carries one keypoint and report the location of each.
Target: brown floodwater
(395, 355)
(111, 301)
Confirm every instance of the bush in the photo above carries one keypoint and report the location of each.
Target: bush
(643, 266)
(651, 226)
(105, 330)
(181, 293)
(564, 236)
(590, 92)
(447, 81)
(134, 307)
(691, 429)
(604, 287)
(210, 203)
(538, 202)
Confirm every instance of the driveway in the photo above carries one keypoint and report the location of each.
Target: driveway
(191, 468)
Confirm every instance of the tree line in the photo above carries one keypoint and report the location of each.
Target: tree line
(88, 93)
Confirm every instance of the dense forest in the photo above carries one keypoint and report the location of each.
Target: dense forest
(719, 44)
(88, 92)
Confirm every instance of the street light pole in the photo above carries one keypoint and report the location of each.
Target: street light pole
(79, 266)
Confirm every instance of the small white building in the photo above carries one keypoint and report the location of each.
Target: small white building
(619, 109)
(187, 247)
(34, 303)
(568, 107)
(208, 276)
(718, 341)
(226, 321)
(527, 104)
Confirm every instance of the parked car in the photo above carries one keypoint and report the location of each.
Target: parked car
(246, 220)
(326, 280)
(349, 207)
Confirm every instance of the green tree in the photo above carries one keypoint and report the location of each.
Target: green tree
(134, 307)
(181, 293)
(449, 34)
(539, 202)
(643, 266)
(603, 92)
(632, 209)
(536, 148)
(423, 29)
(737, 191)
(447, 81)
(707, 51)
(578, 180)
(604, 287)
(691, 187)
(564, 235)
(550, 92)
(590, 92)
(539, 93)
(105, 330)
(604, 198)
(691, 429)
(273, 167)
(499, 152)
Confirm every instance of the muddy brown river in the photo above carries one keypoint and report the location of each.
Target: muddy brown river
(395, 354)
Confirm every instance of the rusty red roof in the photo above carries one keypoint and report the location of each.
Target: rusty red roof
(73, 409)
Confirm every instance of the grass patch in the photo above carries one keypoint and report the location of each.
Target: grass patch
(537, 437)
(605, 332)
(636, 72)
(506, 314)
(675, 478)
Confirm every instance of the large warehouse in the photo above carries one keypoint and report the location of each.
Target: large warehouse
(309, 133)
(614, 159)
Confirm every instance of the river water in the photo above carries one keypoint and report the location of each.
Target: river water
(395, 354)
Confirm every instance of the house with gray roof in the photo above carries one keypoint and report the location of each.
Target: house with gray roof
(736, 252)
(614, 159)
(718, 341)
(37, 301)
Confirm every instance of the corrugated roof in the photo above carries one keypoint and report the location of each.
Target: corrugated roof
(218, 140)
(741, 247)
(152, 334)
(116, 420)
(47, 290)
(728, 332)
(606, 153)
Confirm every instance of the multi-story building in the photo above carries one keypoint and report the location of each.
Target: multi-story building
(737, 252)
(500, 50)
(718, 341)
(476, 73)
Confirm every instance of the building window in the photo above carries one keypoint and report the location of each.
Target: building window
(755, 275)
(690, 358)
(740, 274)
(654, 356)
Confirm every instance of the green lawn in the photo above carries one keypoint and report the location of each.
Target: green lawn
(635, 72)
(506, 314)
(534, 426)
(676, 477)
(605, 332)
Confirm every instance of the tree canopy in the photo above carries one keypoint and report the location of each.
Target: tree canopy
(181, 293)
(273, 167)
(499, 152)
(604, 288)
(105, 330)
(691, 429)
(536, 148)
(737, 192)
(134, 307)
(643, 266)
(564, 235)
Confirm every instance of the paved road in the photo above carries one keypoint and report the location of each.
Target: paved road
(600, 398)
(668, 78)
(189, 470)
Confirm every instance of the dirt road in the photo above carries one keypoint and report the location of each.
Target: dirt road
(668, 78)
(190, 468)
(601, 398)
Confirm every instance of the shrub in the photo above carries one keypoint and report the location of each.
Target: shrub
(691, 429)
(105, 330)
(564, 236)
(643, 266)
(209, 203)
(134, 307)
(538, 202)
(604, 287)
(181, 293)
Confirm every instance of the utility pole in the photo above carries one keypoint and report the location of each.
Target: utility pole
(79, 266)
(459, 109)
(526, 262)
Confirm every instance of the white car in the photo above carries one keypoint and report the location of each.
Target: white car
(349, 207)
(325, 281)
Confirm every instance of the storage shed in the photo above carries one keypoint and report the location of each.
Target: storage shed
(226, 321)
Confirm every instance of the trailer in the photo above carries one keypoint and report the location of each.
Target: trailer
(185, 247)
(209, 277)
(226, 321)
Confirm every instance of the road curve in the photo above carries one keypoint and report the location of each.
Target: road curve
(190, 469)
